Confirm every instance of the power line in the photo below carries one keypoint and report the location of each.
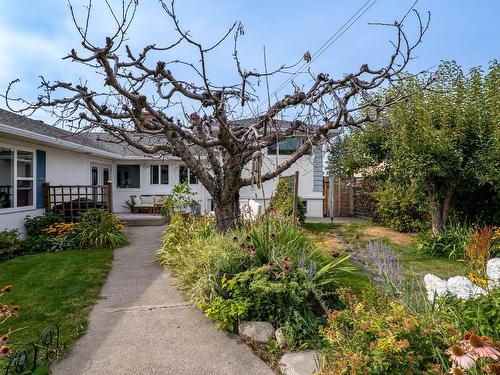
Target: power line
(346, 26)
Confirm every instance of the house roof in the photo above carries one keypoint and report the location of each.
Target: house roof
(100, 143)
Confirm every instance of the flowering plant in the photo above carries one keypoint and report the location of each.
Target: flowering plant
(60, 229)
(474, 352)
(5, 313)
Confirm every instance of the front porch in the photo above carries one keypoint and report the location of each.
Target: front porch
(141, 220)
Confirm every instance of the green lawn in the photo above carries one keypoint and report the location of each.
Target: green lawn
(413, 262)
(53, 288)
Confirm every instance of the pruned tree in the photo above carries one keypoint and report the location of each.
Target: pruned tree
(143, 95)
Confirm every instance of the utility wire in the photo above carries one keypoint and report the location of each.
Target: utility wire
(333, 38)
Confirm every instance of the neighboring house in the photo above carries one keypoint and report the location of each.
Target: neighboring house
(32, 152)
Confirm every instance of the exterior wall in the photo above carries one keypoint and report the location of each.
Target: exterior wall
(63, 167)
(308, 190)
(121, 195)
(306, 184)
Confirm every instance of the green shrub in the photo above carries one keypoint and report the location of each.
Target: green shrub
(98, 228)
(10, 243)
(375, 334)
(301, 330)
(226, 312)
(36, 226)
(282, 202)
(480, 315)
(180, 199)
(450, 243)
(400, 208)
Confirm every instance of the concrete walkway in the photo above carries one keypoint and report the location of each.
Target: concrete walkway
(142, 326)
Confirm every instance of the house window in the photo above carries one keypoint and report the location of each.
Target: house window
(286, 147)
(154, 177)
(164, 174)
(16, 178)
(186, 175)
(128, 176)
(105, 175)
(94, 174)
(158, 174)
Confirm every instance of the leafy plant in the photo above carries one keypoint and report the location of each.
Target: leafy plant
(480, 315)
(282, 202)
(477, 250)
(450, 243)
(99, 228)
(6, 312)
(10, 243)
(180, 199)
(375, 334)
(37, 225)
(226, 312)
(301, 330)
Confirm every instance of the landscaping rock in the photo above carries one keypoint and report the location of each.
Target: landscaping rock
(261, 332)
(493, 272)
(300, 363)
(435, 286)
(280, 337)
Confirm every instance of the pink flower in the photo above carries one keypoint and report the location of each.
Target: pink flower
(460, 357)
(483, 348)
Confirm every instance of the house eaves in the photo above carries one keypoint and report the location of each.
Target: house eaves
(55, 142)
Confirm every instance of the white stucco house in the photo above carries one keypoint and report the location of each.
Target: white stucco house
(32, 153)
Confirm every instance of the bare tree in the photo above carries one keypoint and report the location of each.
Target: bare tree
(142, 95)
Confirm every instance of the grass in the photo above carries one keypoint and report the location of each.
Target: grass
(414, 263)
(53, 288)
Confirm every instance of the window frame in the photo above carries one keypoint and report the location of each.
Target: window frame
(160, 169)
(277, 149)
(128, 165)
(190, 177)
(15, 207)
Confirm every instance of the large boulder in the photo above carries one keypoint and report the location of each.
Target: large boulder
(261, 332)
(493, 272)
(300, 363)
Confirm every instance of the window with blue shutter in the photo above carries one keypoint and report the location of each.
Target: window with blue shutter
(41, 170)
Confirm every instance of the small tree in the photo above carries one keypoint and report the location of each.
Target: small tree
(441, 141)
(179, 199)
(144, 94)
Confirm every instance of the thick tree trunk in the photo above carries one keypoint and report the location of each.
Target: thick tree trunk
(440, 211)
(227, 212)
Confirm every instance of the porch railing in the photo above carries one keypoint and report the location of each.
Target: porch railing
(72, 200)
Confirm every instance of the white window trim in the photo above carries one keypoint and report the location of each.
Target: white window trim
(159, 174)
(135, 189)
(14, 187)
(188, 176)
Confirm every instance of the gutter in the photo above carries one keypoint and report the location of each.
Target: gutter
(68, 145)
(58, 143)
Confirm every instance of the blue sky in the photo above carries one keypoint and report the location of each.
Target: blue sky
(34, 35)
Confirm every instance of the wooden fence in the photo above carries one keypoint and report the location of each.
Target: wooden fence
(72, 200)
(344, 197)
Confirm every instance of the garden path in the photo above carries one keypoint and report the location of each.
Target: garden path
(141, 325)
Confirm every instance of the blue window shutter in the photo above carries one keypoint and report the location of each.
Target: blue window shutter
(41, 170)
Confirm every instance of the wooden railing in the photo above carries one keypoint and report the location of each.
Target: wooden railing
(72, 200)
